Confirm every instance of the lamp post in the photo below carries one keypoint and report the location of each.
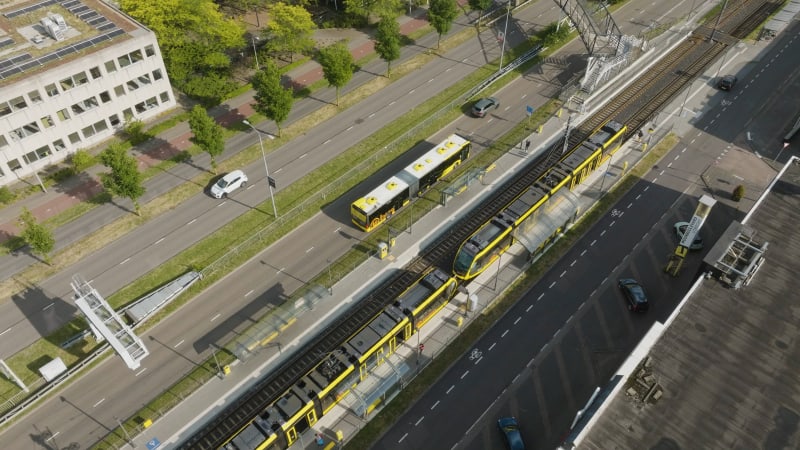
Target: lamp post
(505, 36)
(127, 436)
(266, 168)
(255, 53)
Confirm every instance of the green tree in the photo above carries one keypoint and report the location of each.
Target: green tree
(387, 42)
(337, 65)
(207, 134)
(290, 29)
(273, 101)
(38, 237)
(481, 6)
(441, 15)
(124, 180)
(379, 8)
(81, 160)
(195, 39)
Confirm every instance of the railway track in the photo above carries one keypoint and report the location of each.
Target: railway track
(634, 107)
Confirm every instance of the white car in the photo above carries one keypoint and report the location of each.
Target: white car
(229, 183)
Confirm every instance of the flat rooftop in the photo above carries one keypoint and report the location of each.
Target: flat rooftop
(41, 34)
(727, 369)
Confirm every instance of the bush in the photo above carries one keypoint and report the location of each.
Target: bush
(738, 193)
(81, 160)
(62, 174)
(135, 132)
(6, 196)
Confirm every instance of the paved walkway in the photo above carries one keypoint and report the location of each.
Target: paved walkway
(171, 142)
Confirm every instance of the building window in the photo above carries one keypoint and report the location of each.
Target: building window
(59, 145)
(66, 84)
(164, 96)
(100, 126)
(80, 78)
(127, 114)
(63, 115)
(51, 90)
(3, 141)
(5, 109)
(119, 91)
(150, 103)
(47, 121)
(87, 132)
(157, 74)
(86, 105)
(105, 97)
(74, 138)
(149, 51)
(35, 97)
(111, 67)
(133, 85)
(25, 131)
(124, 61)
(37, 154)
(144, 79)
(95, 71)
(136, 56)
(114, 120)
(14, 164)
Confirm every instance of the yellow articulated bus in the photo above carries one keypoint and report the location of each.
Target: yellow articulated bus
(382, 202)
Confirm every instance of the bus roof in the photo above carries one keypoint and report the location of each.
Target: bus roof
(434, 157)
(381, 195)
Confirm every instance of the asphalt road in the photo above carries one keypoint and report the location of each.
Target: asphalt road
(85, 411)
(571, 331)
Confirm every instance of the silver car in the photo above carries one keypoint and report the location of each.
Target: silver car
(229, 183)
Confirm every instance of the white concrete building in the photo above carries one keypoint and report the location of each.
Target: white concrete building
(72, 73)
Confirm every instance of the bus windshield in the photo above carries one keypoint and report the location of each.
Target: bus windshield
(358, 216)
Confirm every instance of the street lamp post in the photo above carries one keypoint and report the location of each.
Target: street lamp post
(255, 53)
(505, 35)
(127, 436)
(266, 168)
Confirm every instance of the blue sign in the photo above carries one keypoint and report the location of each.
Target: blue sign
(529, 110)
(153, 444)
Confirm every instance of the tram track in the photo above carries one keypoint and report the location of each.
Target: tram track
(635, 106)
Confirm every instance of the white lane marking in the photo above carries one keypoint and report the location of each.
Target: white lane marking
(612, 223)
(371, 116)
(303, 156)
(54, 435)
(669, 165)
(629, 205)
(463, 375)
(654, 180)
(179, 343)
(141, 371)
(98, 403)
(492, 346)
(592, 243)
(645, 188)
(412, 91)
(541, 295)
(517, 321)
(504, 333)
(435, 405)
(479, 360)
(401, 439)
(638, 196)
(191, 221)
(392, 102)
(312, 248)
(676, 157)
(419, 421)
(528, 308)
(48, 306)
(573, 262)
(124, 261)
(249, 292)
(562, 274)
(160, 240)
(431, 80)
(551, 285)
(602, 232)
(583, 252)
(216, 317)
(6, 331)
(451, 388)
(349, 128)
(556, 333)
(337, 229)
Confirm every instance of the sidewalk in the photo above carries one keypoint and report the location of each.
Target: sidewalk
(171, 142)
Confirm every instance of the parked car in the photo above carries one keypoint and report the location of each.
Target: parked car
(510, 428)
(634, 295)
(482, 106)
(727, 82)
(680, 230)
(229, 183)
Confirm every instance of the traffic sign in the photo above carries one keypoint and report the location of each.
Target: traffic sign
(272, 183)
(529, 110)
(153, 444)
(421, 347)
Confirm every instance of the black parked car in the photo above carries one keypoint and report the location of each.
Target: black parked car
(727, 82)
(634, 294)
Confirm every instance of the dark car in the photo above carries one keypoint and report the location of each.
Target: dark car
(680, 230)
(482, 106)
(510, 429)
(727, 82)
(634, 294)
